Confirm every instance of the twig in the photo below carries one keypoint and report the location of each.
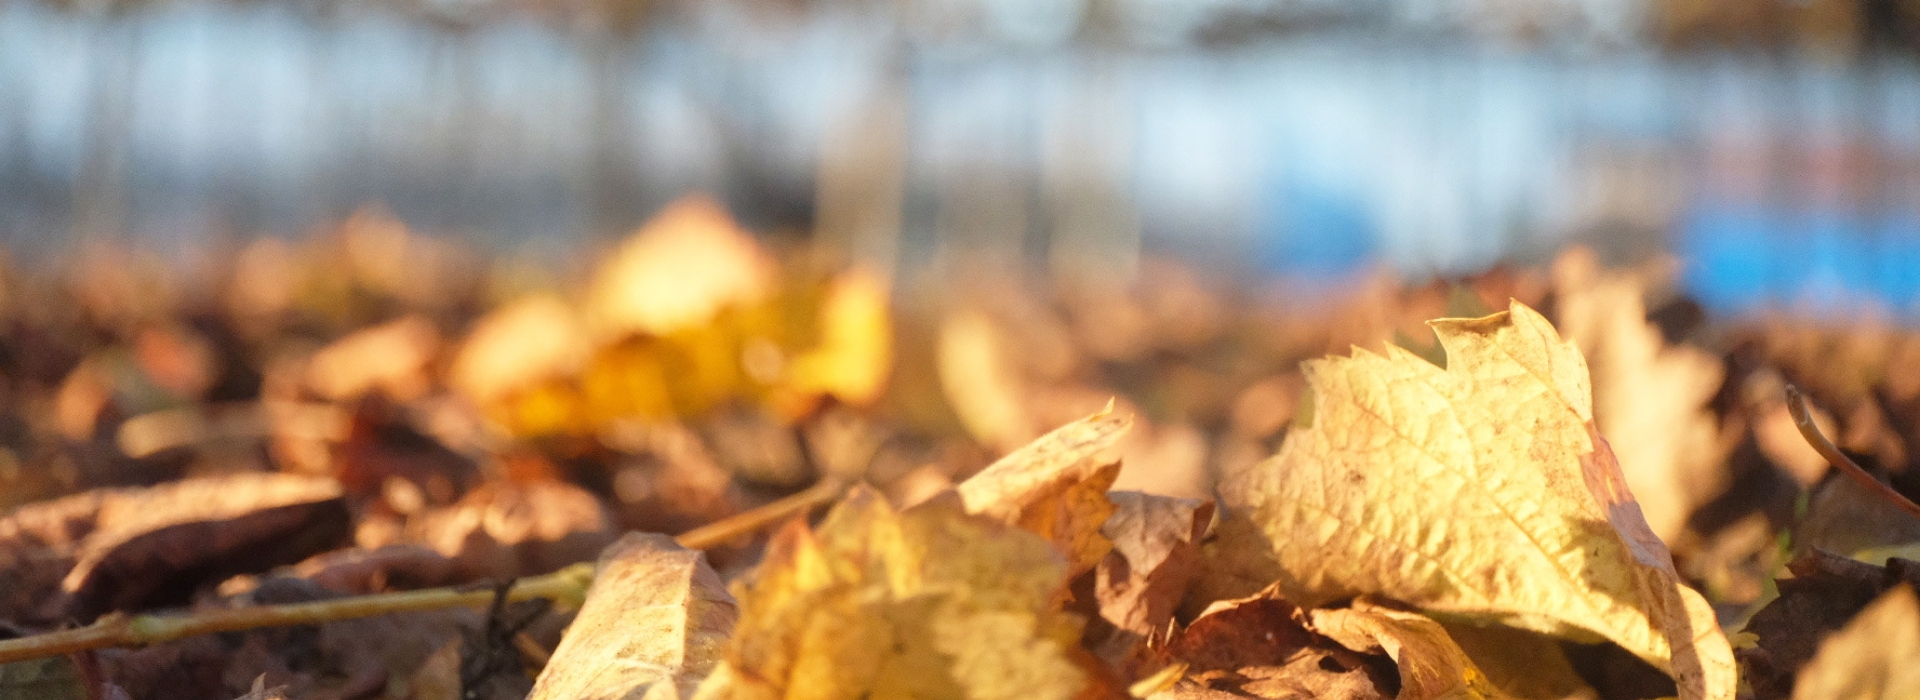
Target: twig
(1803, 419)
(568, 585)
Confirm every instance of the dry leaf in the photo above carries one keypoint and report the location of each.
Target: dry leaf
(391, 357)
(1872, 658)
(679, 270)
(652, 627)
(1825, 591)
(1431, 665)
(1260, 647)
(1479, 491)
(1650, 398)
(1056, 487)
(119, 549)
(926, 603)
(1156, 554)
(505, 529)
(1522, 663)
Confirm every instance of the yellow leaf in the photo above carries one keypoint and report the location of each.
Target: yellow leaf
(855, 353)
(652, 627)
(1432, 666)
(1056, 487)
(926, 603)
(1479, 491)
(1872, 658)
(679, 270)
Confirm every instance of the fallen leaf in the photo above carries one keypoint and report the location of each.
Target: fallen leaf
(1056, 487)
(391, 357)
(930, 602)
(126, 549)
(1260, 647)
(504, 530)
(1649, 397)
(679, 270)
(1156, 554)
(1479, 491)
(1872, 657)
(653, 626)
(1431, 664)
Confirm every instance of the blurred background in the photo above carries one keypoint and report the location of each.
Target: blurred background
(1774, 146)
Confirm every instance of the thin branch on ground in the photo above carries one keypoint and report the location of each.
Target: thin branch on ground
(1803, 419)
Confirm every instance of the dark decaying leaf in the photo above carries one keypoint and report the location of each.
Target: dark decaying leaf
(1260, 647)
(127, 549)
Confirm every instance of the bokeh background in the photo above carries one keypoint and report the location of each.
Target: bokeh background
(1774, 145)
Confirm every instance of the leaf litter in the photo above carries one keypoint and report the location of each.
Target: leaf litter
(373, 413)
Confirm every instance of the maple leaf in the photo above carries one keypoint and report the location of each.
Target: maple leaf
(1872, 657)
(929, 603)
(1480, 491)
(653, 625)
(1056, 487)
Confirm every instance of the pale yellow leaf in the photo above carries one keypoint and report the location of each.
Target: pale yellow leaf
(1479, 491)
(518, 346)
(1872, 658)
(926, 603)
(653, 626)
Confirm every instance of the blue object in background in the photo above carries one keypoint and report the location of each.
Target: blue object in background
(1316, 231)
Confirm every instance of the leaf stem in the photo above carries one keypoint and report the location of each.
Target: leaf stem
(567, 585)
(1803, 419)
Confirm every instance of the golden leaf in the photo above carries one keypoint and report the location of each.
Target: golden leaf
(1478, 491)
(679, 270)
(1872, 657)
(652, 627)
(855, 353)
(1056, 487)
(926, 603)
(1432, 665)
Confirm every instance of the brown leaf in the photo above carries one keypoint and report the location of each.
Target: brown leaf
(653, 626)
(124, 549)
(505, 530)
(1481, 491)
(391, 357)
(1056, 487)
(1260, 647)
(1156, 554)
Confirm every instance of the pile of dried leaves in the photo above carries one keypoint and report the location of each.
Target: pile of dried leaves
(1201, 490)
